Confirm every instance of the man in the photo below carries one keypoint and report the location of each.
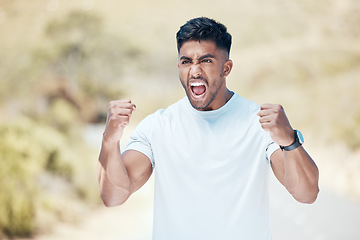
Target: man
(211, 151)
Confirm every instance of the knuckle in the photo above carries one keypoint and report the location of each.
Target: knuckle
(278, 109)
(112, 103)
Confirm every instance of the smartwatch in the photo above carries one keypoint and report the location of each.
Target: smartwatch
(299, 140)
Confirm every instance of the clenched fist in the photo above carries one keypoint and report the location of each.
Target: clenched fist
(118, 117)
(274, 120)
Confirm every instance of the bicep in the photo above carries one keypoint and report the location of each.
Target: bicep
(139, 168)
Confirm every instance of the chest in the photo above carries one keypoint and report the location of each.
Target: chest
(207, 146)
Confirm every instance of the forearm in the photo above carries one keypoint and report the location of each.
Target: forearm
(301, 175)
(113, 178)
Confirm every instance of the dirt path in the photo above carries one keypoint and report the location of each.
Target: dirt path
(331, 217)
(132, 221)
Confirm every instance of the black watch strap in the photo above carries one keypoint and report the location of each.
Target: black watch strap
(294, 145)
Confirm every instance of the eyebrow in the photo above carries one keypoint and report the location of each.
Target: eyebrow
(200, 58)
(206, 56)
(185, 58)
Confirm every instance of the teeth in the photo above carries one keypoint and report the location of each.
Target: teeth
(196, 84)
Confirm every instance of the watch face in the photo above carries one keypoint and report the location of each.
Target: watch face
(300, 136)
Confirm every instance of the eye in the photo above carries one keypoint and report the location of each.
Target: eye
(206, 60)
(185, 62)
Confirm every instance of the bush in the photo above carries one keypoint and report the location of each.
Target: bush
(27, 149)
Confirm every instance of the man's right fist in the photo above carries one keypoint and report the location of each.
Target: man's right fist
(118, 117)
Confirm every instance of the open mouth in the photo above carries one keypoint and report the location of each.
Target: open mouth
(198, 88)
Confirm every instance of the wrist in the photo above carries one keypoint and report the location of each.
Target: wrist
(291, 138)
(111, 138)
(298, 140)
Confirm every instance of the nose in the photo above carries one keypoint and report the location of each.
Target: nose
(195, 71)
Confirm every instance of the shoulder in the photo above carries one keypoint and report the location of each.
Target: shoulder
(172, 110)
(244, 106)
(249, 115)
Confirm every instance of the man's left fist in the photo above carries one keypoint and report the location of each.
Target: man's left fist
(273, 119)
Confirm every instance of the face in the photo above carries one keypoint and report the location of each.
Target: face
(203, 68)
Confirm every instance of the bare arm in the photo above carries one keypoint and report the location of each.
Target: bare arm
(297, 172)
(120, 175)
(294, 169)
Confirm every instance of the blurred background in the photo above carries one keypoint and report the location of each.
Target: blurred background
(61, 62)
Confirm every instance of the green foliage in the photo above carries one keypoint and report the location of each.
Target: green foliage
(61, 114)
(22, 158)
(29, 149)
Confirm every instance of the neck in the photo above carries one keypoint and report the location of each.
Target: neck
(228, 95)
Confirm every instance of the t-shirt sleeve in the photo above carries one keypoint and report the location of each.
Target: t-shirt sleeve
(271, 148)
(140, 139)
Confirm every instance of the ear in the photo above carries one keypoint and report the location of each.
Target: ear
(227, 67)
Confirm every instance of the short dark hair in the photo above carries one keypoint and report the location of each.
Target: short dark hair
(204, 28)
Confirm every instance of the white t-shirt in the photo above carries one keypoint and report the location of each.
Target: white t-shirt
(211, 171)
